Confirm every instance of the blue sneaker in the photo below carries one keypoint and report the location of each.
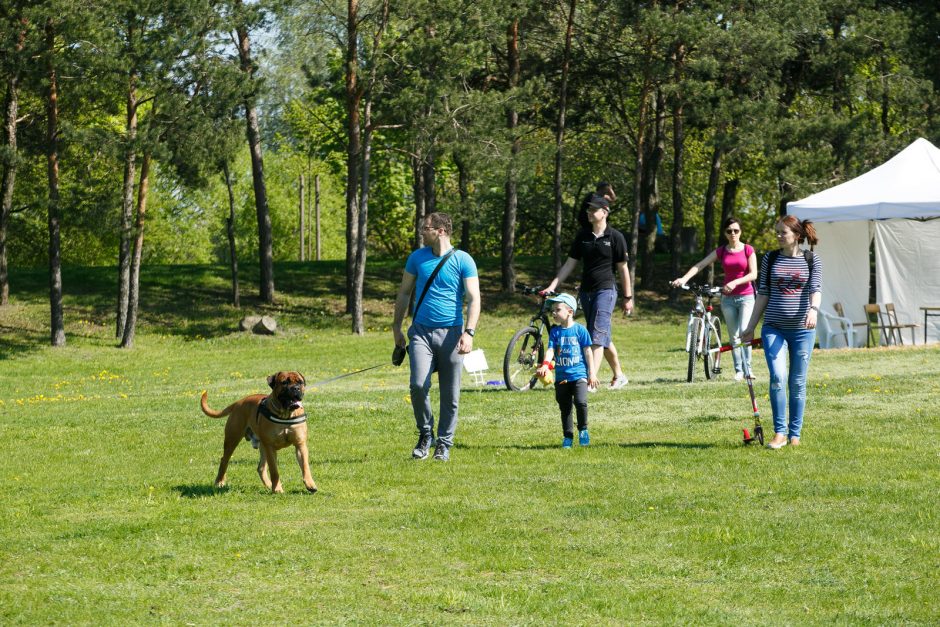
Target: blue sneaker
(566, 443)
(583, 438)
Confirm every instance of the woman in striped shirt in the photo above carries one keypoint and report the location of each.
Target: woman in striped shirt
(788, 297)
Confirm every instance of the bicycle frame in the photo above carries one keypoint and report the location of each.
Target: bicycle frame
(526, 349)
(702, 329)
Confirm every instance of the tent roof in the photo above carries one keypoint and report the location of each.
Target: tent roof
(905, 186)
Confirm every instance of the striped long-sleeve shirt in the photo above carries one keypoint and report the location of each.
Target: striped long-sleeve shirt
(789, 289)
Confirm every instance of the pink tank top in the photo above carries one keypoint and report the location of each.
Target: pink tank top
(734, 265)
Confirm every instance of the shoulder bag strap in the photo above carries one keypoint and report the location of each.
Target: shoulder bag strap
(764, 278)
(431, 278)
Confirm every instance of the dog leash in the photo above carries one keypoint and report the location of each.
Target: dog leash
(344, 375)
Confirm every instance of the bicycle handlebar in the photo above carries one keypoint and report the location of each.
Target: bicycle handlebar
(702, 289)
(526, 289)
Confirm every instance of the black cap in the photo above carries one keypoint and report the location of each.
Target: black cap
(599, 202)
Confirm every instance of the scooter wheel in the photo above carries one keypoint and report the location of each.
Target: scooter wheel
(759, 434)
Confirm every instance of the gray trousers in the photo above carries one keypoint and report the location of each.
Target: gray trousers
(430, 349)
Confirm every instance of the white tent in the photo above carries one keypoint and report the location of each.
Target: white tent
(897, 204)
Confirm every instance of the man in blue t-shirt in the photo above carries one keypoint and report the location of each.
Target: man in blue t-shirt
(438, 337)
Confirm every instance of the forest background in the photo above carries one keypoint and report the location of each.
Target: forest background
(299, 130)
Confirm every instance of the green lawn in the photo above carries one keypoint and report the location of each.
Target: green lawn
(108, 515)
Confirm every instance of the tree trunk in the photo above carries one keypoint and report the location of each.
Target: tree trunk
(885, 92)
(127, 200)
(417, 170)
(265, 239)
(10, 112)
(651, 187)
(316, 211)
(353, 146)
(230, 228)
(729, 196)
(678, 175)
(303, 216)
(133, 295)
(639, 169)
(358, 327)
(560, 137)
(508, 248)
(57, 326)
(463, 188)
(430, 183)
(708, 214)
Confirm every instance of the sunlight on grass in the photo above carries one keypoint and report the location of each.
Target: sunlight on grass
(109, 514)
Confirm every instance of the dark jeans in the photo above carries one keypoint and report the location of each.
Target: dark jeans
(572, 393)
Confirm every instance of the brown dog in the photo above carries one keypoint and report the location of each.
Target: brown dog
(270, 423)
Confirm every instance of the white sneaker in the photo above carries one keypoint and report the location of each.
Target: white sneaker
(739, 376)
(619, 382)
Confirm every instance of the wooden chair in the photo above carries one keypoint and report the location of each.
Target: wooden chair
(895, 327)
(875, 321)
(840, 311)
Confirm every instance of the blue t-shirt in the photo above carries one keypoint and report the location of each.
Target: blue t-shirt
(443, 304)
(568, 345)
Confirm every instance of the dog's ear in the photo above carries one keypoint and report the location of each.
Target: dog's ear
(303, 379)
(272, 379)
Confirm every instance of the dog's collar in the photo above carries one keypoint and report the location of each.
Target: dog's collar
(265, 411)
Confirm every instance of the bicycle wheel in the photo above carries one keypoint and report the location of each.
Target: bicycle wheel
(713, 340)
(695, 344)
(523, 356)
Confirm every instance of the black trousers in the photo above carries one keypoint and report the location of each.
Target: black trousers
(572, 393)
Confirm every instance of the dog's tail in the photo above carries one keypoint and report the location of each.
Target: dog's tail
(212, 413)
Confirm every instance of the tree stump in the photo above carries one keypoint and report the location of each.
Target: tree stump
(248, 323)
(265, 326)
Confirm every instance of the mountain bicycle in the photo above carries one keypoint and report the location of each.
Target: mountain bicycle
(526, 349)
(703, 332)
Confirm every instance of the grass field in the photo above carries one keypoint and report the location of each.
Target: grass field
(108, 515)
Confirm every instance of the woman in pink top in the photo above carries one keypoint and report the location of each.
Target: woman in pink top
(739, 263)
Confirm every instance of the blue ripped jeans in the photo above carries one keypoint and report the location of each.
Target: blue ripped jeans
(779, 345)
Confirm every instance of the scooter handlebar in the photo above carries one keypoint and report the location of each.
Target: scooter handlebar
(724, 348)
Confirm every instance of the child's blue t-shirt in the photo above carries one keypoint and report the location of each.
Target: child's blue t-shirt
(443, 304)
(568, 345)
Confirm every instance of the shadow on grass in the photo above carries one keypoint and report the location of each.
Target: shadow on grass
(679, 445)
(16, 340)
(601, 445)
(199, 490)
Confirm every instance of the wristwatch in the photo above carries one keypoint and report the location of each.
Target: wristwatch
(469, 332)
(814, 308)
(630, 297)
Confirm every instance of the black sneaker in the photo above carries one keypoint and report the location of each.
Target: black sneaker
(422, 447)
(442, 452)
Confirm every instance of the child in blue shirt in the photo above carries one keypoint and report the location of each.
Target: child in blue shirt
(569, 344)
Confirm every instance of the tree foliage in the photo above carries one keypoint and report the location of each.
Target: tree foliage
(691, 110)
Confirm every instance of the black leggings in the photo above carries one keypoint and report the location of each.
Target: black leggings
(568, 393)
